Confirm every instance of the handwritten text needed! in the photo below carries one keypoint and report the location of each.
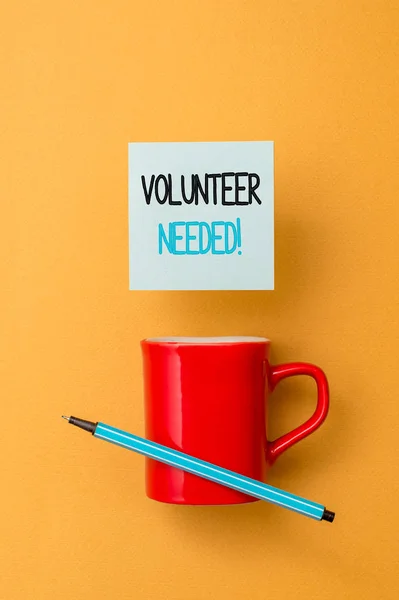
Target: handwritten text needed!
(202, 237)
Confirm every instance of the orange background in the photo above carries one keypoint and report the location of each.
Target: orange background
(79, 81)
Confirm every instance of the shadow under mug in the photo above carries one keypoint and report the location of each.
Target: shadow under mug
(207, 397)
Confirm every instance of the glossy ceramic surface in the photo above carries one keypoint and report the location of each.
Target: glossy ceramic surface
(208, 398)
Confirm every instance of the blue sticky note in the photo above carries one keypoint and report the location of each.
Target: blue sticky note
(201, 216)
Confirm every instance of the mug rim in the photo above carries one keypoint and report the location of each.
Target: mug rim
(207, 340)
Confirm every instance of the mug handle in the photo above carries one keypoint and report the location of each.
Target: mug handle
(279, 372)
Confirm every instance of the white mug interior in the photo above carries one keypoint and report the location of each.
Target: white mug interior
(237, 339)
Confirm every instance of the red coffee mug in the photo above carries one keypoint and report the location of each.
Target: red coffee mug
(207, 397)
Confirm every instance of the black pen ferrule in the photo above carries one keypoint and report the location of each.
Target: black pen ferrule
(86, 425)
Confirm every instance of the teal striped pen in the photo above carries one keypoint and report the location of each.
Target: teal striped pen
(204, 469)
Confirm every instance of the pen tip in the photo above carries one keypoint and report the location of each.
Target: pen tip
(64, 417)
